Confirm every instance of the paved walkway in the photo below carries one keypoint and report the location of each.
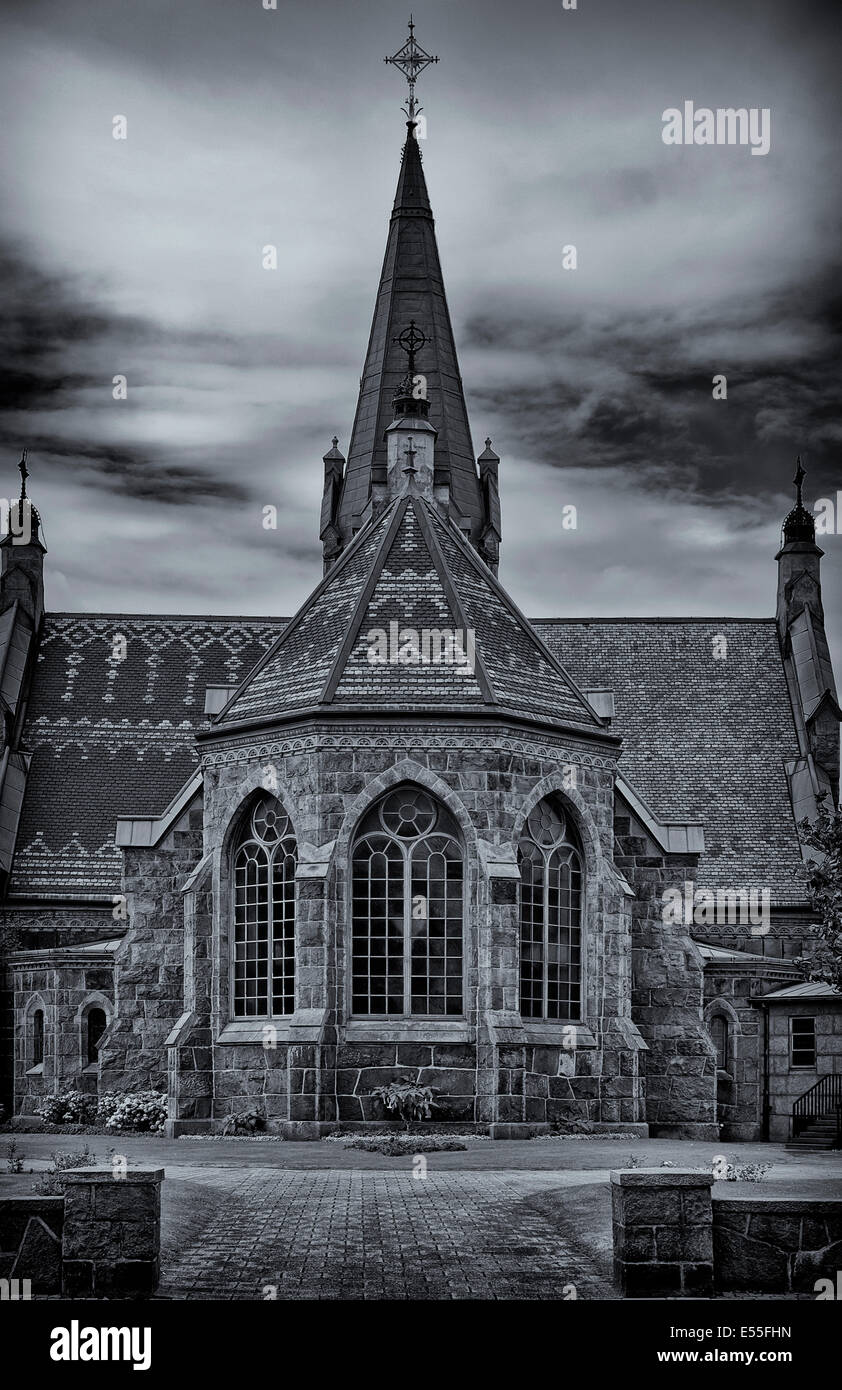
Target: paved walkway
(339, 1234)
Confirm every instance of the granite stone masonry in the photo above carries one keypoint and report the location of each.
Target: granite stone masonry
(663, 1242)
(112, 1233)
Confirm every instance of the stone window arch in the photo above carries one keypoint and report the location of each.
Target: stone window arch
(408, 908)
(552, 893)
(264, 860)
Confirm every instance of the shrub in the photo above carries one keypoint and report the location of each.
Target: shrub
(401, 1145)
(406, 1098)
(52, 1183)
(70, 1108)
(144, 1111)
(246, 1122)
(746, 1172)
(106, 1106)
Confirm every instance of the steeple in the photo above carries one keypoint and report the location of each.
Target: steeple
(806, 656)
(411, 289)
(22, 554)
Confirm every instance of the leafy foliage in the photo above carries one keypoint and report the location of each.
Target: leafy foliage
(245, 1122)
(407, 1099)
(401, 1145)
(824, 885)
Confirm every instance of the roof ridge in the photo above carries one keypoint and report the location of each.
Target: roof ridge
(485, 573)
(346, 646)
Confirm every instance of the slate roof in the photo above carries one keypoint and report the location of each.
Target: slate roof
(111, 737)
(410, 568)
(704, 738)
(810, 989)
(411, 287)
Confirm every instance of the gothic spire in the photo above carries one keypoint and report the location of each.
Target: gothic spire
(411, 288)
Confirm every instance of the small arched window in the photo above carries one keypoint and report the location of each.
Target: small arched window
(264, 914)
(38, 1038)
(95, 1027)
(550, 915)
(408, 907)
(719, 1032)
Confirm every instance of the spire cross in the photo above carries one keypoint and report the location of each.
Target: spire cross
(800, 475)
(410, 453)
(24, 474)
(411, 59)
(411, 339)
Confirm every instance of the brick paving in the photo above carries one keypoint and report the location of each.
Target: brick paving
(375, 1235)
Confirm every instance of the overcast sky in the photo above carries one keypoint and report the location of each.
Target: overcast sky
(248, 127)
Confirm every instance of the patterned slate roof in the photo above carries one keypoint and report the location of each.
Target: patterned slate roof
(112, 736)
(704, 737)
(410, 569)
(411, 288)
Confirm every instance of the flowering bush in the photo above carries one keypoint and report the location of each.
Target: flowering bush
(141, 1110)
(107, 1105)
(245, 1122)
(71, 1108)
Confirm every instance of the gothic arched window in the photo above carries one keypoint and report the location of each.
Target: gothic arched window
(263, 955)
(719, 1032)
(38, 1037)
(550, 915)
(95, 1025)
(408, 906)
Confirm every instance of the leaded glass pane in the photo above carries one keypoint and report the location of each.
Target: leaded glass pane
(550, 916)
(264, 915)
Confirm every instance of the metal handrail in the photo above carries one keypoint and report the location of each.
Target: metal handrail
(823, 1098)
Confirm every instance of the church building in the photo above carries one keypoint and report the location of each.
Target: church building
(547, 867)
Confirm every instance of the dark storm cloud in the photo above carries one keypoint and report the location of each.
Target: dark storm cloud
(249, 127)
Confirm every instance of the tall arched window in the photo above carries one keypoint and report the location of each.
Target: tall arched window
(264, 914)
(95, 1024)
(408, 906)
(38, 1038)
(719, 1032)
(550, 915)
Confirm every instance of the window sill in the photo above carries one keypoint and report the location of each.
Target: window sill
(251, 1030)
(37, 1070)
(556, 1034)
(421, 1030)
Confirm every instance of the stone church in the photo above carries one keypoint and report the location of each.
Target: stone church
(274, 863)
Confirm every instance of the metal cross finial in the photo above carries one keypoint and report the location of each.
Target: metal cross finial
(800, 475)
(412, 59)
(411, 339)
(24, 474)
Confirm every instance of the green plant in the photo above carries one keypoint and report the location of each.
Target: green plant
(401, 1145)
(106, 1106)
(245, 1122)
(72, 1158)
(406, 1098)
(68, 1108)
(823, 876)
(14, 1160)
(144, 1111)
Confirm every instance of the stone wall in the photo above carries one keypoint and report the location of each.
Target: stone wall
(776, 1246)
(65, 987)
(489, 1067)
(149, 964)
(672, 1240)
(679, 1064)
(663, 1246)
(112, 1233)
(30, 1241)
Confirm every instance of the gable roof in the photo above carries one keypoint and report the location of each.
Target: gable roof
(111, 737)
(704, 738)
(410, 569)
(810, 989)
